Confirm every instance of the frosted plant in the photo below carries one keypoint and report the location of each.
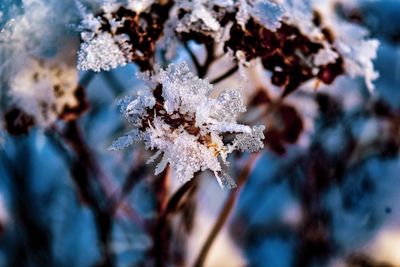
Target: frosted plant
(176, 116)
(199, 16)
(300, 14)
(101, 53)
(353, 43)
(27, 32)
(209, 18)
(350, 41)
(121, 33)
(47, 90)
(102, 50)
(268, 13)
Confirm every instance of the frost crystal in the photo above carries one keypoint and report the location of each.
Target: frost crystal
(176, 116)
(139, 5)
(358, 53)
(101, 53)
(199, 16)
(268, 13)
(325, 56)
(352, 43)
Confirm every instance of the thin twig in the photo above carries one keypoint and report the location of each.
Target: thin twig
(175, 202)
(193, 57)
(209, 60)
(226, 210)
(161, 227)
(225, 75)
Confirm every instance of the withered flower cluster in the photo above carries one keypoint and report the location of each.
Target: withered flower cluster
(176, 116)
(286, 52)
(121, 34)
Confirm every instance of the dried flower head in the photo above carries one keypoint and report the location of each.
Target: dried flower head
(176, 116)
(46, 91)
(292, 57)
(121, 34)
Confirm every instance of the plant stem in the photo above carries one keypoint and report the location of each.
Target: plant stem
(192, 57)
(161, 226)
(225, 75)
(226, 210)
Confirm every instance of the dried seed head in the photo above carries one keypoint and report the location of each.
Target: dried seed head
(175, 116)
(122, 34)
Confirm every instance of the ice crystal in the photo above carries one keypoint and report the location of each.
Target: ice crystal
(325, 56)
(199, 16)
(359, 53)
(139, 5)
(299, 13)
(176, 116)
(268, 13)
(101, 53)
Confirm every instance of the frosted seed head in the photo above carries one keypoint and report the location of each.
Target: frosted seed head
(176, 116)
(100, 53)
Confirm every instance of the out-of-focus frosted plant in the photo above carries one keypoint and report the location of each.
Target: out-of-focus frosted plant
(176, 116)
(47, 91)
(38, 70)
(29, 31)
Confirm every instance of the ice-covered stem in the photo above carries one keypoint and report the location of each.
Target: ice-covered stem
(226, 210)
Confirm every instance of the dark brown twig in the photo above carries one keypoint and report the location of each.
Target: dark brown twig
(161, 227)
(225, 75)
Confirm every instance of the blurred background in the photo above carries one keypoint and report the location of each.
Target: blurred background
(324, 191)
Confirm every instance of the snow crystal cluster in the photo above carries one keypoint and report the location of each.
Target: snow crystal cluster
(200, 16)
(102, 50)
(120, 33)
(268, 13)
(204, 16)
(176, 116)
(45, 90)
